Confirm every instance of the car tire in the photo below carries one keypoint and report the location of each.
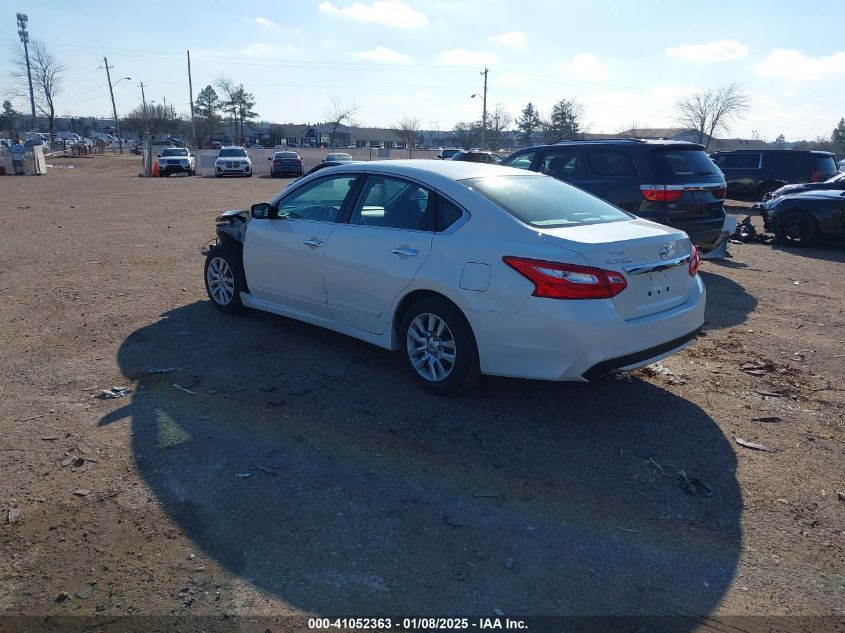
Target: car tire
(224, 277)
(438, 323)
(796, 229)
(249, 175)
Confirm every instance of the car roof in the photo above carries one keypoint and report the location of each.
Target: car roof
(620, 142)
(457, 170)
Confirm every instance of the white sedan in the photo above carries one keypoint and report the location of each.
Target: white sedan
(465, 269)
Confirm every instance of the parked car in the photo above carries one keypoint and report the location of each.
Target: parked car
(337, 157)
(176, 160)
(256, 146)
(837, 183)
(285, 163)
(325, 164)
(801, 219)
(216, 145)
(670, 182)
(476, 156)
(446, 154)
(465, 269)
(232, 161)
(842, 165)
(754, 173)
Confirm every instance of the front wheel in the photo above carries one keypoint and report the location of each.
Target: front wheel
(224, 278)
(796, 229)
(438, 346)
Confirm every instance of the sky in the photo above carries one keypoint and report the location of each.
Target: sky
(626, 63)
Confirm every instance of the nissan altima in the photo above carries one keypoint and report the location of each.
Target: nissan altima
(464, 269)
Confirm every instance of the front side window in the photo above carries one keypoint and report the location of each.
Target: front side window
(318, 201)
(545, 202)
(521, 161)
(393, 203)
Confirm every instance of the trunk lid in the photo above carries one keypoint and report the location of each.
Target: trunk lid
(653, 258)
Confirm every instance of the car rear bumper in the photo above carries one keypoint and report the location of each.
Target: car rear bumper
(580, 340)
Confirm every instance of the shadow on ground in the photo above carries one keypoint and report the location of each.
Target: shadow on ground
(366, 496)
(728, 303)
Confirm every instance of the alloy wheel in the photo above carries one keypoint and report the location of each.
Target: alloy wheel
(221, 281)
(431, 347)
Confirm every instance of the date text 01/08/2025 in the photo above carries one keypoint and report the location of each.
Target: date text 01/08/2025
(416, 624)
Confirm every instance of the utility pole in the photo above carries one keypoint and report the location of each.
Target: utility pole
(24, 35)
(191, 95)
(484, 110)
(144, 101)
(113, 107)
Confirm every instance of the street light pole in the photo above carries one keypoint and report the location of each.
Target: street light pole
(113, 107)
(24, 35)
(484, 111)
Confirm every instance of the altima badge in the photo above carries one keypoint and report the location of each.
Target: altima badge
(664, 251)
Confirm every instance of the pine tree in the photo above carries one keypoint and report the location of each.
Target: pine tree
(528, 124)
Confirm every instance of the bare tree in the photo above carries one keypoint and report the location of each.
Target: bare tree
(468, 133)
(47, 75)
(711, 111)
(230, 101)
(339, 114)
(407, 129)
(500, 121)
(635, 130)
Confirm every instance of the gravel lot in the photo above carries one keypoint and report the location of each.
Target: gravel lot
(283, 469)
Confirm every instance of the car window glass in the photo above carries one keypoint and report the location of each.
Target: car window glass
(392, 203)
(232, 153)
(610, 163)
(825, 163)
(522, 161)
(447, 213)
(319, 201)
(545, 202)
(738, 161)
(684, 162)
(560, 163)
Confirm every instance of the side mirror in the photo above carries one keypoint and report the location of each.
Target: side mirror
(260, 211)
(269, 158)
(192, 155)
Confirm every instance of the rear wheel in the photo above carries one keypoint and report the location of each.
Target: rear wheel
(796, 229)
(438, 346)
(224, 278)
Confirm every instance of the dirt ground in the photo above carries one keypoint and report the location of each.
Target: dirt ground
(280, 469)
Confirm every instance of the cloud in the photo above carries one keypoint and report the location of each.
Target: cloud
(796, 65)
(383, 54)
(584, 65)
(511, 38)
(463, 57)
(718, 51)
(262, 50)
(390, 12)
(260, 21)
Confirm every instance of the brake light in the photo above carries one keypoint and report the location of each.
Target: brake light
(568, 281)
(694, 262)
(815, 176)
(662, 193)
(720, 193)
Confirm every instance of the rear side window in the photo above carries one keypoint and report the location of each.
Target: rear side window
(447, 213)
(788, 162)
(545, 202)
(523, 161)
(684, 162)
(738, 161)
(611, 164)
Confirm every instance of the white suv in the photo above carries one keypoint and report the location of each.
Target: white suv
(232, 161)
(175, 160)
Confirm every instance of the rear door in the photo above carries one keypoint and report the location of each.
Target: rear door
(613, 176)
(374, 256)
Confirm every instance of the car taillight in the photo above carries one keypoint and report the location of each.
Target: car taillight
(720, 193)
(694, 262)
(815, 176)
(662, 193)
(568, 281)
(277, 162)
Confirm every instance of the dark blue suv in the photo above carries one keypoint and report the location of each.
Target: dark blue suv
(670, 182)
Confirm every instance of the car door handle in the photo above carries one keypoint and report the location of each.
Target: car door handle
(314, 243)
(407, 252)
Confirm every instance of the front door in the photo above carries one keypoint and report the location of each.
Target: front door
(283, 253)
(370, 260)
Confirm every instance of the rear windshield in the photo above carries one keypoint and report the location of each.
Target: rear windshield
(175, 152)
(825, 163)
(287, 155)
(545, 202)
(232, 152)
(685, 162)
